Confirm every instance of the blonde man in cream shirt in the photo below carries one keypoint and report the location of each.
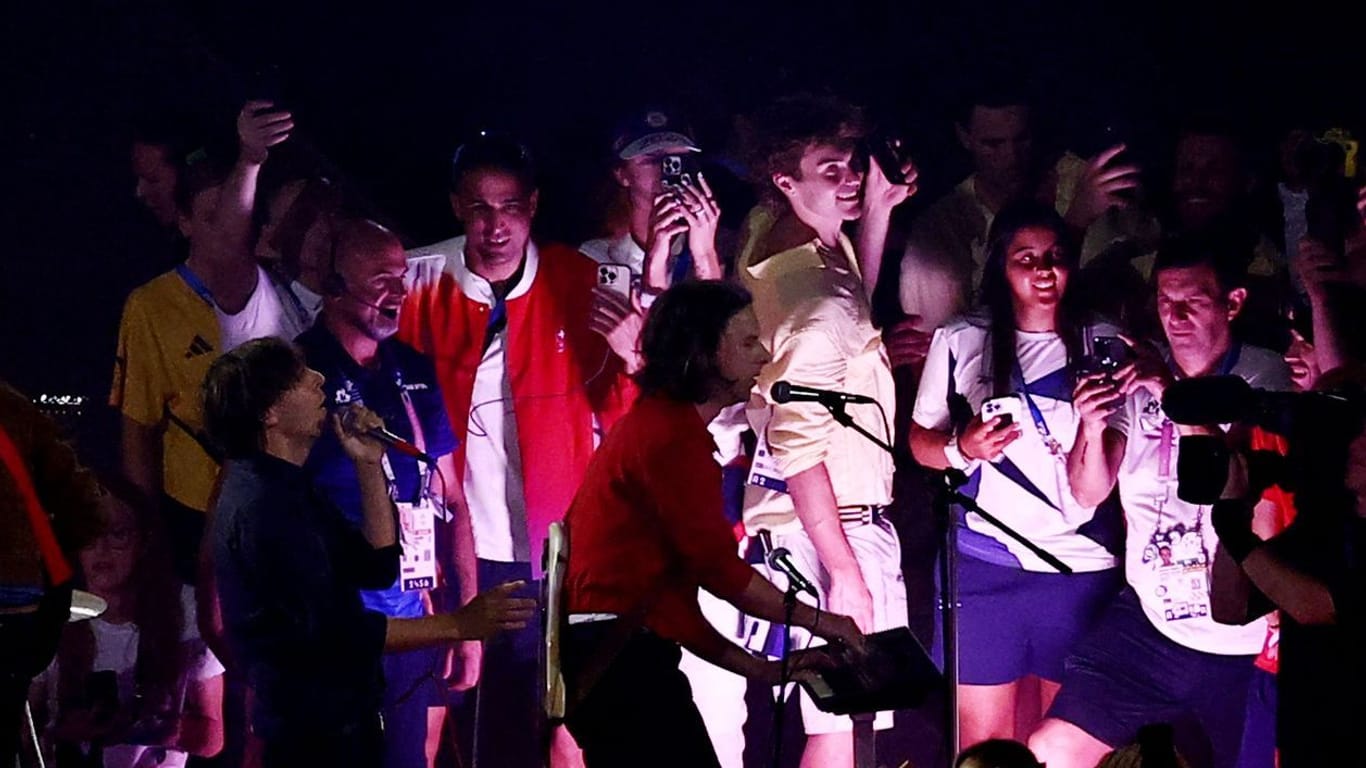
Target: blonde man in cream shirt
(817, 488)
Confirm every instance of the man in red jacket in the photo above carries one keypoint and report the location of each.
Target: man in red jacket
(529, 387)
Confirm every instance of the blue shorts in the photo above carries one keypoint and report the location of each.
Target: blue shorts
(1127, 674)
(1259, 725)
(1013, 623)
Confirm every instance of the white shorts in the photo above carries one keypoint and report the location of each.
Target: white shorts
(878, 552)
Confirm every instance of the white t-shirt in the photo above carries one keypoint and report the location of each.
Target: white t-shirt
(1027, 487)
(266, 314)
(617, 250)
(116, 648)
(1170, 543)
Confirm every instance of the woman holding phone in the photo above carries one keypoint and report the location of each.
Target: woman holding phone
(995, 402)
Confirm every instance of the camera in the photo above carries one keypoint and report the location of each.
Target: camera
(1318, 428)
(889, 152)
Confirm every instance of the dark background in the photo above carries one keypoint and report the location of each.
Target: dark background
(383, 92)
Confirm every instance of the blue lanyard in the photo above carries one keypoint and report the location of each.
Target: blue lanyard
(197, 285)
(1034, 411)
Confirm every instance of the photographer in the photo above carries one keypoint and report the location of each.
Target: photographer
(1313, 573)
(1157, 653)
(289, 567)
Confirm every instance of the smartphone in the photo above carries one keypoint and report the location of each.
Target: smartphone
(615, 278)
(1009, 407)
(678, 171)
(886, 151)
(1108, 354)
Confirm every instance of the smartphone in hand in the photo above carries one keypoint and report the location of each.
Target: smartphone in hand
(1009, 407)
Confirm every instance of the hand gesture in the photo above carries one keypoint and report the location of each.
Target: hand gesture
(620, 322)
(350, 426)
(906, 343)
(985, 440)
(259, 127)
(1303, 362)
(1100, 186)
(880, 194)
(842, 631)
(469, 658)
(666, 222)
(702, 216)
(494, 611)
(1096, 398)
(849, 597)
(1147, 371)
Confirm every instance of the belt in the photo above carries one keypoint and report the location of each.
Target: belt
(861, 514)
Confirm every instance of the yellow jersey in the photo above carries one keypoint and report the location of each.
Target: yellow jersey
(168, 337)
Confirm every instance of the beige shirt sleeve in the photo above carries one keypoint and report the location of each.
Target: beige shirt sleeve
(799, 433)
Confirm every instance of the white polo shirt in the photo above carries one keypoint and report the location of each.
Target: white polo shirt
(1170, 543)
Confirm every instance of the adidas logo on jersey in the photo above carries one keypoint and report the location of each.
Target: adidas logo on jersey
(198, 346)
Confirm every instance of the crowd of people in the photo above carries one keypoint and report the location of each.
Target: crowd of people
(340, 456)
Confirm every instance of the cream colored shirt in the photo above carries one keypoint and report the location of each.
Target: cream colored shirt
(815, 320)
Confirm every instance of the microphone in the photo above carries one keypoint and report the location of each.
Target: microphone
(348, 422)
(787, 392)
(779, 559)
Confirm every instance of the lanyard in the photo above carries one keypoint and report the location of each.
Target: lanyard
(419, 439)
(197, 285)
(1054, 447)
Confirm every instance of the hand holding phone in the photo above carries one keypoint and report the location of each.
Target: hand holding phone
(1108, 355)
(1009, 408)
(615, 278)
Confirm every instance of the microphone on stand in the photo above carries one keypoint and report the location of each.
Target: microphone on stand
(348, 422)
(781, 560)
(787, 392)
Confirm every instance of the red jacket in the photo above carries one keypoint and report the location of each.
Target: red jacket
(561, 374)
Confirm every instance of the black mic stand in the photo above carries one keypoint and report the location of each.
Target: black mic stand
(947, 496)
(865, 754)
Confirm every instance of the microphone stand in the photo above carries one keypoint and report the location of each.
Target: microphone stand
(864, 744)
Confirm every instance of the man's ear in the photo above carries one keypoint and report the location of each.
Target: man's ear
(533, 200)
(1236, 298)
(783, 182)
(619, 173)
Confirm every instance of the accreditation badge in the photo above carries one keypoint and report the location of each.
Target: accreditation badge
(417, 532)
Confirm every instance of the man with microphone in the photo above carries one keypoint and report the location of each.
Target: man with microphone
(354, 348)
(289, 567)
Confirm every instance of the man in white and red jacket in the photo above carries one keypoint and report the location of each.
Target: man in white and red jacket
(530, 383)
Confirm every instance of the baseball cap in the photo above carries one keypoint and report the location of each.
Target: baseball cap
(650, 132)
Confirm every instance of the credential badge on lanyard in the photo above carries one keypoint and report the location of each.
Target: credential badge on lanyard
(763, 470)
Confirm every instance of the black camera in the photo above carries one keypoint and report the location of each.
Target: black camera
(1318, 428)
(889, 152)
(1108, 354)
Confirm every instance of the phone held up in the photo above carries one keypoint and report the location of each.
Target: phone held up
(615, 278)
(1008, 407)
(1107, 355)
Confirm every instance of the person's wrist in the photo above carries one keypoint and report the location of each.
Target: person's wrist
(956, 456)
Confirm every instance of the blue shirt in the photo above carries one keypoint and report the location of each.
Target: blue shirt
(400, 368)
(288, 572)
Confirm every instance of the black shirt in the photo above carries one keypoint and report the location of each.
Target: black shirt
(288, 569)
